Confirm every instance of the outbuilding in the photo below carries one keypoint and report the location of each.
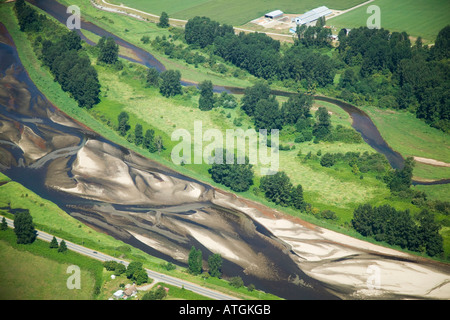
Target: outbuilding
(274, 14)
(313, 15)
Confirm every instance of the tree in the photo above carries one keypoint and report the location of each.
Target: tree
(138, 134)
(29, 19)
(163, 20)
(327, 160)
(226, 100)
(149, 141)
(215, 265)
(253, 95)
(297, 200)
(159, 144)
(236, 282)
(71, 41)
(267, 114)
(297, 107)
(277, 188)
(153, 77)
(237, 176)
(123, 126)
(429, 233)
(441, 48)
(157, 294)
(195, 261)
(4, 225)
(322, 127)
(24, 227)
(206, 101)
(109, 50)
(62, 246)
(54, 243)
(402, 178)
(119, 269)
(132, 268)
(170, 84)
(140, 276)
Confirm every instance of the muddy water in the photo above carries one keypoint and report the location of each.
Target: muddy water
(130, 197)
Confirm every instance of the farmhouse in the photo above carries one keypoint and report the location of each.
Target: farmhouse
(274, 14)
(313, 15)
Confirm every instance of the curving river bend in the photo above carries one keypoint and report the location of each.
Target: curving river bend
(164, 213)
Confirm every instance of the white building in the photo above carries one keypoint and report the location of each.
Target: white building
(313, 15)
(274, 14)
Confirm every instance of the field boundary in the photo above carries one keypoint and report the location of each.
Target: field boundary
(154, 18)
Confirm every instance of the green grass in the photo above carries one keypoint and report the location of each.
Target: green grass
(36, 272)
(424, 18)
(234, 12)
(132, 31)
(413, 137)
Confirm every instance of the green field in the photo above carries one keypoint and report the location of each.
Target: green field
(424, 18)
(27, 275)
(234, 12)
(412, 137)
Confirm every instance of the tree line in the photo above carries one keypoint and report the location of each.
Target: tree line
(70, 67)
(376, 66)
(387, 69)
(385, 223)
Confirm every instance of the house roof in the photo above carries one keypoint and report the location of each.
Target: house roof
(274, 13)
(130, 290)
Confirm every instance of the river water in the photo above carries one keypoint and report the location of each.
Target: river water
(134, 199)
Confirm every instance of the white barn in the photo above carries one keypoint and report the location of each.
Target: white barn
(274, 14)
(313, 15)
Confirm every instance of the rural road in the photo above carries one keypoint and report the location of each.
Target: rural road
(156, 276)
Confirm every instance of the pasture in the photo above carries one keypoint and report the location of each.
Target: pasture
(234, 12)
(424, 18)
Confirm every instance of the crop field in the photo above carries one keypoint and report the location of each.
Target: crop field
(422, 18)
(234, 12)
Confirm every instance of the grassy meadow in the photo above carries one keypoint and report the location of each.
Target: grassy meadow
(234, 12)
(424, 18)
(413, 137)
(39, 273)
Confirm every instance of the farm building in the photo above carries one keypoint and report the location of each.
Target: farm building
(274, 14)
(313, 15)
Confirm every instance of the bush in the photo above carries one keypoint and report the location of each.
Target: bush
(327, 160)
(236, 282)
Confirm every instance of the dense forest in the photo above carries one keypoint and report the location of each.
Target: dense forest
(375, 66)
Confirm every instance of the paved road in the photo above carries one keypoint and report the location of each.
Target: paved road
(156, 276)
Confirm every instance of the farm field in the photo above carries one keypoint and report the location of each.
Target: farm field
(234, 12)
(30, 276)
(422, 18)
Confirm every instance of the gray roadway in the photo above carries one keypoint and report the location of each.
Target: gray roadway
(156, 276)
